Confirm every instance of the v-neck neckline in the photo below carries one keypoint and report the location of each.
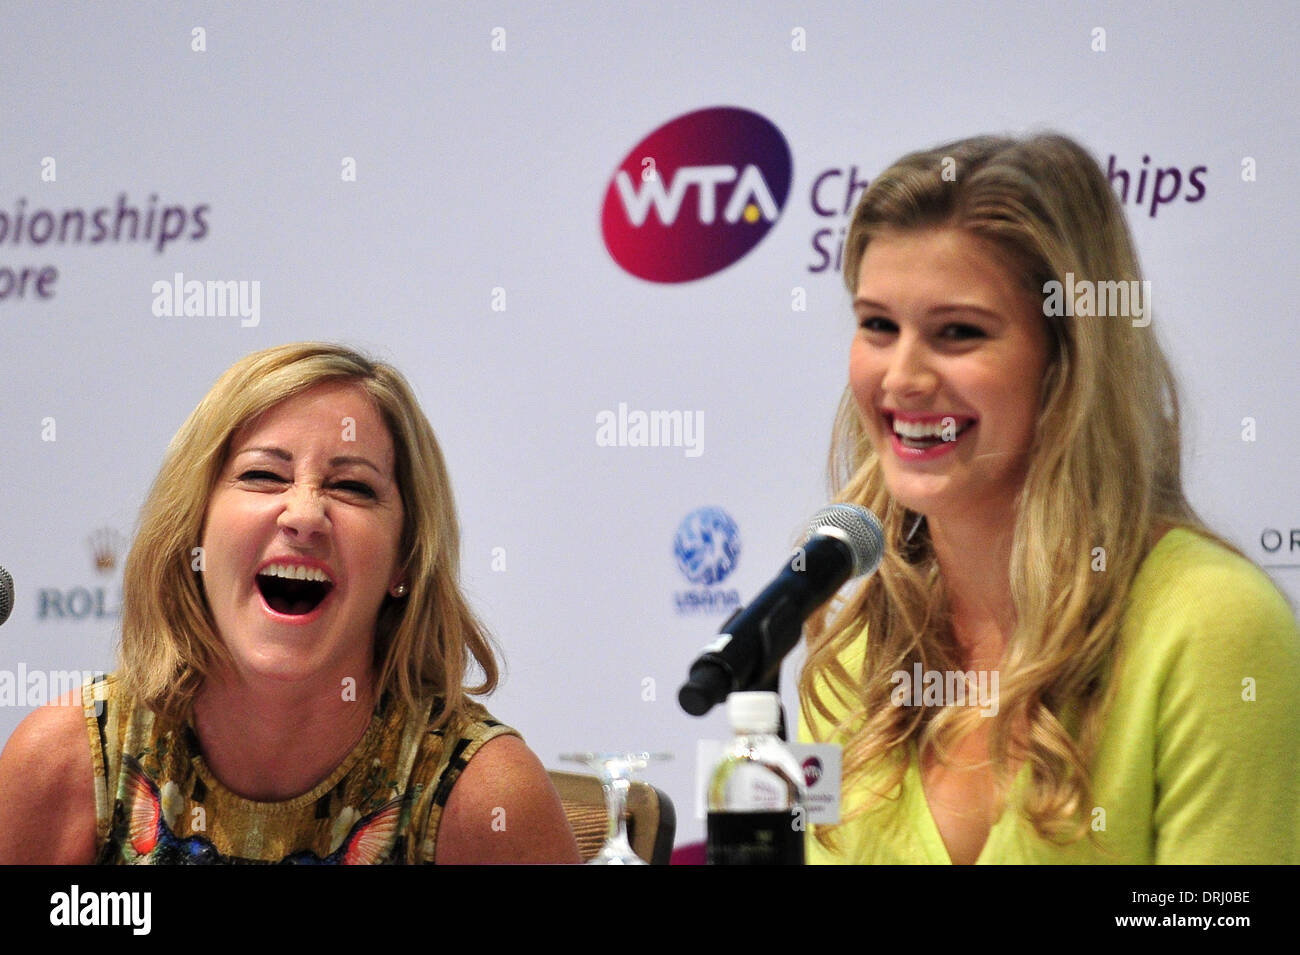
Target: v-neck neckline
(935, 845)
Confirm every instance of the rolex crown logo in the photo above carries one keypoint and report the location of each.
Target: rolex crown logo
(106, 547)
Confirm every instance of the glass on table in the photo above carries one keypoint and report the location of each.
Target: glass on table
(617, 771)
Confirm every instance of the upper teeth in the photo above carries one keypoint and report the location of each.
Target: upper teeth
(295, 572)
(926, 429)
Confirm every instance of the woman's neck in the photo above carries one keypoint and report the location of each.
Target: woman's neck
(974, 555)
(271, 742)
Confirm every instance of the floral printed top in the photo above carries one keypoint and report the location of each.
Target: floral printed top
(157, 803)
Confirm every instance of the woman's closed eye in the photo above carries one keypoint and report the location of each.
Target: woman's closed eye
(259, 476)
(356, 487)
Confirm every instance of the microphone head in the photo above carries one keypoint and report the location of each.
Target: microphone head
(855, 526)
(6, 594)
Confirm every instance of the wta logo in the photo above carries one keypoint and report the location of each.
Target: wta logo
(696, 195)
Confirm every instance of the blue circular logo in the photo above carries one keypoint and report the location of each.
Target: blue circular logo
(707, 545)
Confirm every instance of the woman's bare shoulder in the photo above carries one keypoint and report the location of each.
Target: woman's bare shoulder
(47, 794)
(503, 809)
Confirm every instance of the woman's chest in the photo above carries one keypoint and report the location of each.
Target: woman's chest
(963, 795)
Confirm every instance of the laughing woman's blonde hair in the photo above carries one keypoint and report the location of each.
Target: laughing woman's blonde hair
(424, 642)
(1104, 477)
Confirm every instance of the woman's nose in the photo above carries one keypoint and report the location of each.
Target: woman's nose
(909, 373)
(304, 512)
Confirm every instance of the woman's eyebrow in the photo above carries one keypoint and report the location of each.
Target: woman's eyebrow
(960, 307)
(280, 453)
(354, 459)
(334, 462)
(944, 309)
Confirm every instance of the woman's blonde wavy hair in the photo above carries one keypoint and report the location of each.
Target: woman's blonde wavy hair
(1104, 472)
(423, 643)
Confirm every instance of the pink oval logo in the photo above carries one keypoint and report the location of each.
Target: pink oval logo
(812, 771)
(696, 195)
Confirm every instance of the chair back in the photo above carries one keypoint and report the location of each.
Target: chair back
(651, 823)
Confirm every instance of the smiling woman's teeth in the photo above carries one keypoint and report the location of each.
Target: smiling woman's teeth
(293, 589)
(294, 572)
(921, 435)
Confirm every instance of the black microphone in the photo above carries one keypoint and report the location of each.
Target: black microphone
(844, 541)
(6, 594)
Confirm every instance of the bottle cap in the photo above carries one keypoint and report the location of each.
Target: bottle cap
(759, 711)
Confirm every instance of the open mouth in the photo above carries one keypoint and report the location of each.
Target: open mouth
(293, 590)
(924, 435)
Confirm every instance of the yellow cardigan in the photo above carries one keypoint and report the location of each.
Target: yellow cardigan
(1189, 768)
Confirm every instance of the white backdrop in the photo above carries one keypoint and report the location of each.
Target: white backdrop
(468, 250)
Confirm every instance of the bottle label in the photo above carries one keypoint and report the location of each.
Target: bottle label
(756, 838)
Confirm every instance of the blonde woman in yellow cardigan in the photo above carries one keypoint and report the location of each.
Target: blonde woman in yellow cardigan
(1057, 661)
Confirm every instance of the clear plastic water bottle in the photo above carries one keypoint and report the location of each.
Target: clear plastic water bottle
(756, 793)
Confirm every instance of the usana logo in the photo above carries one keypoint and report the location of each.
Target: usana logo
(707, 548)
(697, 194)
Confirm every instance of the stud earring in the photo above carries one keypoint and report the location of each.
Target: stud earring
(399, 590)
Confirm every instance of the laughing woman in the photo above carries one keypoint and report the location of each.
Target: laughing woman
(1026, 467)
(294, 651)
